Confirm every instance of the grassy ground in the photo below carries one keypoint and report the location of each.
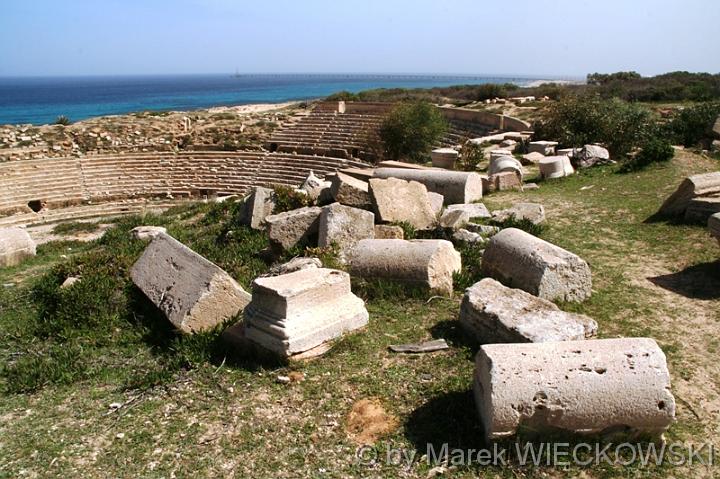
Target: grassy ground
(94, 383)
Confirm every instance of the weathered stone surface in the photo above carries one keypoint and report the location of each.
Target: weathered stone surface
(344, 226)
(436, 202)
(700, 209)
(520, 260)
(396, 200)
(287, 229)
(496, 154)
(706, 184)
(493, 313)
(532, 158)
(193, 293)
(418, 348)
(533, 212)
(542, 147)
(485, 230)
(258, 205)
(299, 311)
(555, 167)
(15, 246)
(474, 210)
(69, 281)
(444, 158)
(350, 191)
(426, 262)
(590, 155)
(389, 232)
(455, 186)
(314, 186)
(714, 226)
(507, 180)
(467, 236)
(295, 264)
(147, 233)
(454, 219)
(504, 163)
(566, 152)
(579, 387)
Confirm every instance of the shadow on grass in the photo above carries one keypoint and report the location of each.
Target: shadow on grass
(451, 332)
(701, 281)
(450, 418)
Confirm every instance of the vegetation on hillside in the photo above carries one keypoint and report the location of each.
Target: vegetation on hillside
(411, 129)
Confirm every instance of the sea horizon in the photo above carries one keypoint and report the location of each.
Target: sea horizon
(39, 100)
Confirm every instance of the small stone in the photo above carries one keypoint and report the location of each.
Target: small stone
(533, 212)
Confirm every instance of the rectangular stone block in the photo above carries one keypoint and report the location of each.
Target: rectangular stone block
(192, 292)
(344, 226)
(15, 246)
(396, 201)
(287, 229)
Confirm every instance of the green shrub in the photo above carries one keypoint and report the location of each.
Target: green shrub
(470, 156)
(411, 129)
(579, 120)
(693, 126)
(655, 150)
(62, 120)
(287, 199)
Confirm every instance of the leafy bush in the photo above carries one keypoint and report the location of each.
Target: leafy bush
(580, 120)
(62, 120)
(470, 156)
(411, 129)
(287, 199)
(655, 150)
(693, 126)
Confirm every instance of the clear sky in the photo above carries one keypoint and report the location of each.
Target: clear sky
(531, 37)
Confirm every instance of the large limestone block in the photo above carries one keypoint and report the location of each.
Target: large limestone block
(455, 186)
(714, 226)
(350, 191)
(258, 205)
(474, 210)
(289, 228)
(436, 202)
(532, 158)
(344, 226)
(444, 158)
(15, 246)
(454, 219)
(520, 260)
(542, 147)
(396, 200)
(580, 387)
(591, 155)
(493, 313)
(507, 180)
(193, 293)
(700, 209)
(299, 311)
(430, 263)
(706, 184)
(533, 212)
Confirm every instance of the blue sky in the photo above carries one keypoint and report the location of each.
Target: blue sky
(531, 37)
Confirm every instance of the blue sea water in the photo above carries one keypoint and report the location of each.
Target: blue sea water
(39, 100)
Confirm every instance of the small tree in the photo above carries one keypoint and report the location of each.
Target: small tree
(62, 120)
(411, 129)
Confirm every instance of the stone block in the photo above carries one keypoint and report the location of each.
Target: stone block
(543, 147)
(592, 387)
(287, 229)
(533, 212)
(455, 186)
(16, 245)
(436, 202)
(493, 313)
(389, 232)
(444, 158)
(454, 219)
(344, 226)
(350, 191)
(705, 184)
(193, 293)
(257, 206)
(146, 233)
(555, 167)
(396, 200)
(520, 260)
(474, 210)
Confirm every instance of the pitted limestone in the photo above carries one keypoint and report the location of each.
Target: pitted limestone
(146, 233)
(287, 229)
(493, 313)
(344, 226)
(299, 311)
(193, 293)
(455, 186)
(350, 191)
(426, 262)
(396, 200)
(521, 260)
(580, 387)
(257, 206)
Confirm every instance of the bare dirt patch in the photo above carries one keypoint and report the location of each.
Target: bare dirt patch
(368, 421)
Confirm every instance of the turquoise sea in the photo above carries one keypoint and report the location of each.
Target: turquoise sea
(39, 100)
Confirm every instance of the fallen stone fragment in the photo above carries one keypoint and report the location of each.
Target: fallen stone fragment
(436, 202)
(555, 167)
(314, 186)
(454, 219)
(591, 387)
(69, 281)
(532, 158)
(714, 226)
(297, 312)
(706, 184)
(295, 264)
(258, 205)
(389, 232)
(147, 233)
(469, 237)
(590, 155)
(418, 348)
(344, 226)
(16, 245)
(444, 158)
(350, 191)
(455, 186)
(474, 210)
(193, 293)
(397, 201)
(543, 147)
(493, 313)
(504, 163)
(287, 229)
(430, 263)
(533, 212)
(520, 260)
(700, 209)
(507, 180)
(485, 230)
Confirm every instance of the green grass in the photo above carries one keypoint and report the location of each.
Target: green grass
(75, 227)
(189, 408)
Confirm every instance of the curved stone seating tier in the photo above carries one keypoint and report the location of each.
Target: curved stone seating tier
(30, 186)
